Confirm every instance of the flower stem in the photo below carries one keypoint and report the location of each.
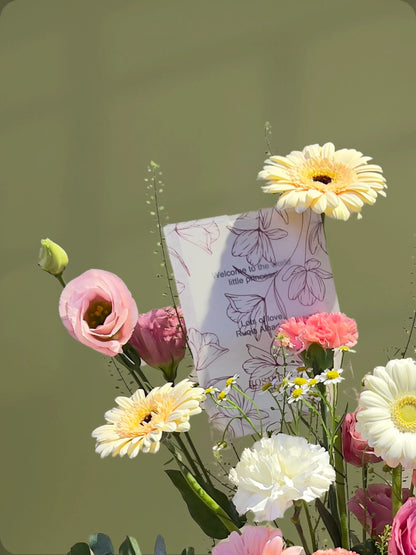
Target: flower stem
(311, 530)
(364, 477)
(396, 488)
(61, 280)
(296, 521)
(198, 458)
(340, 488)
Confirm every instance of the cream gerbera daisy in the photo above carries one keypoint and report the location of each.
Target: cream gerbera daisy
(387, 415)
(332, 182)
(137, 424)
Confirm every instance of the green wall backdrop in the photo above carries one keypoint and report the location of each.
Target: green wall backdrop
(90, 92)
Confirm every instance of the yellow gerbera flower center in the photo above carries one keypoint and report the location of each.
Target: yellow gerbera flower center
(140, 420)
(97, 313)
(404, 414)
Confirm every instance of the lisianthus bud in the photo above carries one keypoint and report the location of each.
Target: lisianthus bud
(355, 449)
(52, 258)
(160, 339)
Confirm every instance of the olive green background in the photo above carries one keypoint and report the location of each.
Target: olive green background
(90, 92)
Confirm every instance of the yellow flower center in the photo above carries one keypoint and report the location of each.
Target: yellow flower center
(404, 414)
(312, 382)
(297, 393)
(300, 381)
(332, 375)
(97, 313)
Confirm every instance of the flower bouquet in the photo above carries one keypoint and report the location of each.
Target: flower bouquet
(305, 443)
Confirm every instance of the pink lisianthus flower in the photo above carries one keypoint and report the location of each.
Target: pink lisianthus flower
(98, 310)
(256, 540)
(336, 551)
(160, 339)
(355, 449)
(403, 533)
(330, 330)
(374, 507)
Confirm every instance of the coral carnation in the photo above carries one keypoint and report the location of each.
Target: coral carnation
(331, 330)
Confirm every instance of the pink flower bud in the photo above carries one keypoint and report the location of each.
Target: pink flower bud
(98, 310)
(160, 339)
(374, 508)
(403, 534)
(355, 449)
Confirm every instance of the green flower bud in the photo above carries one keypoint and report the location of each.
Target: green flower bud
(52, 258)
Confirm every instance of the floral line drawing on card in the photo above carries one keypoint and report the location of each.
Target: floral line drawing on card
(306, 283)
(201, 234)
(265, 366)
(226, 416)
(205, 348)
(254, 237)
(305, 279)
(173, 253)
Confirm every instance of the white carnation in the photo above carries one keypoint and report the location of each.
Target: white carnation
(277, 471)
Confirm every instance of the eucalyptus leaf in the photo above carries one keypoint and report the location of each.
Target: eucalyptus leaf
(129, 547)
(100, 544)
(80, 549)
(160, 547)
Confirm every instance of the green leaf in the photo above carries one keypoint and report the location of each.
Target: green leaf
(206, 519)
(318, 358)
(188, 551)
(329, 521)
(367, 549)
(80, 549)
(129, 547)
(100, 544)
(160, 547)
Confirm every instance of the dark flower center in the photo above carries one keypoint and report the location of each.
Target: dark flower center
(97, 313)
(147, 418)
(325, 179)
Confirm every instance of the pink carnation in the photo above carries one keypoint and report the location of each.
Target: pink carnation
(98, 310)
(331, 330)
(403, 533)
(256, 540)
(160, 339)
(336, 551)
(374, 507)
(293, 330)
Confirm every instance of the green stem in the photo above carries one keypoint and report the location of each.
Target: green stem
(340, 488)
(188, 456)
(364, 477)
(61, 280)
(296, 521)
(311, 530)
(198, 458)
(322, 391)
(396, 488)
